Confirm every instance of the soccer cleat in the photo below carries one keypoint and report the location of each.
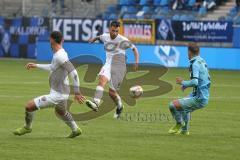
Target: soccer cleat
(186, 133)
(176, 129)
(118, 112)
(76, 133)
(92, 105)
(22, 131)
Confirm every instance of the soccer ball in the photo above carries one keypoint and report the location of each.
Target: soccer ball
(136, 91)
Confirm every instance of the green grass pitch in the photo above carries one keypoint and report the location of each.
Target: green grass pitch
(215, 131)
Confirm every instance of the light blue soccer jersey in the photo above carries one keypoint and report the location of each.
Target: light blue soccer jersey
(199, 71)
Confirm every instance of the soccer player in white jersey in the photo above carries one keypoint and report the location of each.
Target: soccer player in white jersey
(114, 69)
(59, 68)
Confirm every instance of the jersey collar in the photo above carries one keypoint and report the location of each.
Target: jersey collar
(194, 58)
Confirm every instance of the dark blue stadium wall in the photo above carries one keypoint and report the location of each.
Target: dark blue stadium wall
(171, 56)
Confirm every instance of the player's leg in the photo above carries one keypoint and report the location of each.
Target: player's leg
(118, 72)
(103, 80)
(33, 105)
(176, 111)
(104, 77)
(117, 100)
(63, 114)
(186, 118)
(29, 114)
(189, 105)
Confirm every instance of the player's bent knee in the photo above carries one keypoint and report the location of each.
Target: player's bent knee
(30, 106)
(60, 112)
(177, 104)
(102, 81)
(112, 93)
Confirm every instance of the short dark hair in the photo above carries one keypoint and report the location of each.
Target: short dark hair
(193, 48)
(115, 24)
(57, 36)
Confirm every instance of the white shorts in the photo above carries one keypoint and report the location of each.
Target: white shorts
(106, 71)
(51, 100)
(115, 75)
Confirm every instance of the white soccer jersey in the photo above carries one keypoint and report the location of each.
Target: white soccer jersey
(58, 79)
(112, 46)
(58, 59)
(59, 76)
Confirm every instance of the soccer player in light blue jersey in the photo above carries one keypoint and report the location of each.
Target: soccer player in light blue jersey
(200, 82)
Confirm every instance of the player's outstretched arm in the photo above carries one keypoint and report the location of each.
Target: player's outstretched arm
(136, 55)
(185, 84)
(92, 40)
(41, 66)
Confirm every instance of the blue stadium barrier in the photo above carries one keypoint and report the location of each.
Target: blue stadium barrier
(236, 35)
(171, 56)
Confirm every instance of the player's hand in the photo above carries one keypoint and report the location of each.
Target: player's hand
(91, 40)
(179, 80)
(80, 98)
(183, 88)
(31, 65)
(135, 67)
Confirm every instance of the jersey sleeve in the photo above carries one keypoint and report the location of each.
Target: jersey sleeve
(64, 62)
(131, 45)
(103, 37)
(46, 67)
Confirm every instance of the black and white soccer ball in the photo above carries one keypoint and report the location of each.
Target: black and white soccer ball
(136, 91)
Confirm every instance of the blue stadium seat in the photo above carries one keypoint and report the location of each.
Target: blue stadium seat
(165, 10)
(133, 2)
(146, 9)
(111, 9)
(123, 2)
(156, 2)
(191, 3)
(129, 16)
(128, 9)
(132, 9)
(233, 12)
(105, 16)
(145, 2)
(164, 2)
(123, 10)
(128, 2)
(113, 16)
(157, 9)
(109, 16)
(202, 11)
(162, 10)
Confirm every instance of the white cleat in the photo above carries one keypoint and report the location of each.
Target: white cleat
(92, 105)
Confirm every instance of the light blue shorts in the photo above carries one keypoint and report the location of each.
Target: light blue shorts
(190, 104)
